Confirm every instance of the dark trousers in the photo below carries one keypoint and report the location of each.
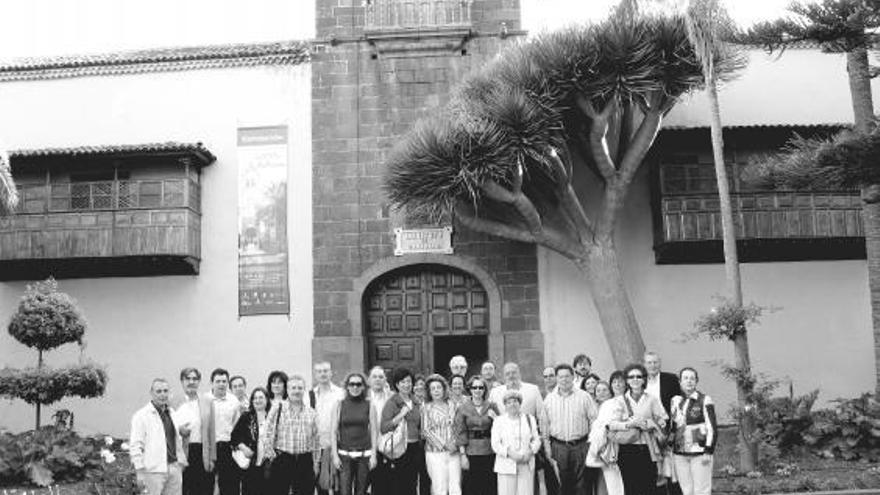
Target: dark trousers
(403, 472)
(480, 478)
(353, 475)
(227, 471)
(195, 480)
(252, 481)
(379, 477)
(638, 471)
(574, 477)
(292, 472)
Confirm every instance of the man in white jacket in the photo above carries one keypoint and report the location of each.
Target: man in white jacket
(155, 446)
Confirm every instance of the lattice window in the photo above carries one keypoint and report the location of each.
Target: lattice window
(80, 196)
(128, 195)
(102, 195)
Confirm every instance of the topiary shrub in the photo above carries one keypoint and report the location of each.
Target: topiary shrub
(46, 319)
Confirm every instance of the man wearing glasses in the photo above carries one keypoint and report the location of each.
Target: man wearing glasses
(549, 375)
(193, 420)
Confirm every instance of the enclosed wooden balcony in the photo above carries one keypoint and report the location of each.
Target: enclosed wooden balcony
(770, 226)
(145, 220)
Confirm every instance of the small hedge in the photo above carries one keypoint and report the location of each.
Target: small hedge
(47, 318)
(48, 386)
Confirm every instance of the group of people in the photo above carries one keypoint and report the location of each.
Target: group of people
(444, 435)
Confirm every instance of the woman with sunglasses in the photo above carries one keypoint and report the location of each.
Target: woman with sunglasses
(473, 424)
(353, 437)
(641, 418)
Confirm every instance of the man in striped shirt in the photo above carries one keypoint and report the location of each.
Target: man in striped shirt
(568, 413)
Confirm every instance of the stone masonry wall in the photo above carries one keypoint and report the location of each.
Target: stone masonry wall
(363, 100)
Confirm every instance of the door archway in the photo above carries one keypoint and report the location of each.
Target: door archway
(421, 315)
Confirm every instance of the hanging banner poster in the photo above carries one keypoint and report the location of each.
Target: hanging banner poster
(262, 221)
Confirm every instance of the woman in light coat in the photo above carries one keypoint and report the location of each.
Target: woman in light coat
(515, 440)
(603, 454)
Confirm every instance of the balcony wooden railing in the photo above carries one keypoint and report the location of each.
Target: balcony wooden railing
(402, 15)
(65, 224)
(764, 215)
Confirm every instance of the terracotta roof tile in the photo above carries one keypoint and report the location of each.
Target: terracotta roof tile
(198, 150)
(155, 60)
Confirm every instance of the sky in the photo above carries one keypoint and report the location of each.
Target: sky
(34, 28)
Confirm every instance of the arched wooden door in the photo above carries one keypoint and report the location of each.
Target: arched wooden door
(419, 316)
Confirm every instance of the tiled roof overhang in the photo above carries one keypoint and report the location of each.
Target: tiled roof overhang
(197, 153)
(156, 60)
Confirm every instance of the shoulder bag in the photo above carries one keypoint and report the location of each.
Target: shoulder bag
(629, 435)
(393, 444)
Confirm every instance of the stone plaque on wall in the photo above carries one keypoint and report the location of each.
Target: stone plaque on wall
(409, 241)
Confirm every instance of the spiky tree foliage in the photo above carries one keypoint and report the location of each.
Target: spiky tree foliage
(709, 28)
(503, 154)
(8, 191)
(840, 26)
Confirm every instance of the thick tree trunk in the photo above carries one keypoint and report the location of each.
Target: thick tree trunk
(39, 365)
(612, 304)
(858, 69)
(871, 222)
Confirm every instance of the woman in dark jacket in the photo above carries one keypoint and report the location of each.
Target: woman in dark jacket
(402, 406)
(245, 436)
(473, 423)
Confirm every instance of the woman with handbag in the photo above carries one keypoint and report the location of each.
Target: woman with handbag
(637, 420)
(515, 440)
(353, 437)
(694, 431)
(442, 458)
(245, 437)
(603, 450)
(473, 422)
(401, 426)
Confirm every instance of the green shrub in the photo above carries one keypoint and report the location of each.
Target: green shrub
(851, 430)
(51, 455)
(47, 318)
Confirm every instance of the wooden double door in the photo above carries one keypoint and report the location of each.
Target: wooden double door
(420, 316)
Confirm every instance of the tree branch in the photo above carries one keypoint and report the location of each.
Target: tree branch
(520, 201)
(598, 134)
(549, 238)
(615, 192)
(569, 201)
(466, 214)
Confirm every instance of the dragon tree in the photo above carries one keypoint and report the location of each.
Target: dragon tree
(503, 156)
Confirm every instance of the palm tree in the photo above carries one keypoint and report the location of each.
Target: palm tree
(8, 191)
(502, 155)
(839, 26)
(707, 24)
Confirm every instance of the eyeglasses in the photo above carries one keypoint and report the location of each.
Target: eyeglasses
(355, 384)
(635, 377)
(478, 387)
(549, 376)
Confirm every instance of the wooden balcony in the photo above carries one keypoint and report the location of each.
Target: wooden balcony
(417, 15)
(103, 228)
(770, 226)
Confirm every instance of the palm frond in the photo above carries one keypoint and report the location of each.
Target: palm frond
(844, 161)
(8, 190)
